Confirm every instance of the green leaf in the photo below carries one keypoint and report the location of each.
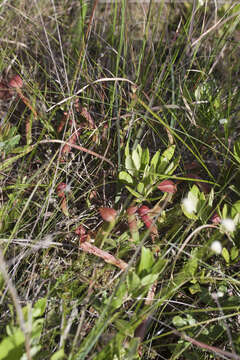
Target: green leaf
(134, 193)
(124, 327)
(133, 281)
(155, 159)
(178, 321)
(195, 192)
(9, 144)
(5, 164)
(11, 347)
(236, 150)
(194, 289)
(235, 209)
(165, 159)
(234, 253)
(118, 299)
(37, 330)
(170, 168)
(33, 351)
(124, 176)
(211, 197)
(136, 159)
(139, 149)
(127, 152)
(158, 266)
(146, 262)
(225, 255)
(152, 175)
(145, 158)
(224, 211)
(191, 266)
(168, 153)
(149, 279)
(129, 165)
(39, 307)
(58, 355)
(140, 188)
(190, 320)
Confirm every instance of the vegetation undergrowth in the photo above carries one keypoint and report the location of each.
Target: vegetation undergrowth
(119, 180)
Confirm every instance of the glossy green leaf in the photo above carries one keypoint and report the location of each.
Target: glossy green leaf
(154, 161)
(134, 193)
(124, 176)
(168, 153)
(140, 188)
(226, 255)
(225, 211)
(136, 159)
(139, 150)
(129, 165)
(146, 262)
(145, 158)
(127, 152)
(165, 159)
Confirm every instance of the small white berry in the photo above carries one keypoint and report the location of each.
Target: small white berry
(228, 225)
(216, 246)
(189, 205)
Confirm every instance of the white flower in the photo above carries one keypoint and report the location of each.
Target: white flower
(220, 294)
(216, 246)
(228, 225)
(217, 295)
(190, 205)
(223, 121)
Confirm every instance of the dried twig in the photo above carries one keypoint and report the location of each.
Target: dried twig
(91, 249)
(78, 147)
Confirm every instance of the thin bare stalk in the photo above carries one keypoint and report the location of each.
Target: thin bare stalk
(16, 302)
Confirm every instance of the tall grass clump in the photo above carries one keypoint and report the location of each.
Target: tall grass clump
(119, 180)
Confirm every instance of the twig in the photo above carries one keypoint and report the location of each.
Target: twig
(78, 147)
(190, 237)
(86, 86)
(202, 345)
(26, 102)
(91, 249)
(214, 27)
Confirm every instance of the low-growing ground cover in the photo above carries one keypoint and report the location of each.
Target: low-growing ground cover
(119, 180)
